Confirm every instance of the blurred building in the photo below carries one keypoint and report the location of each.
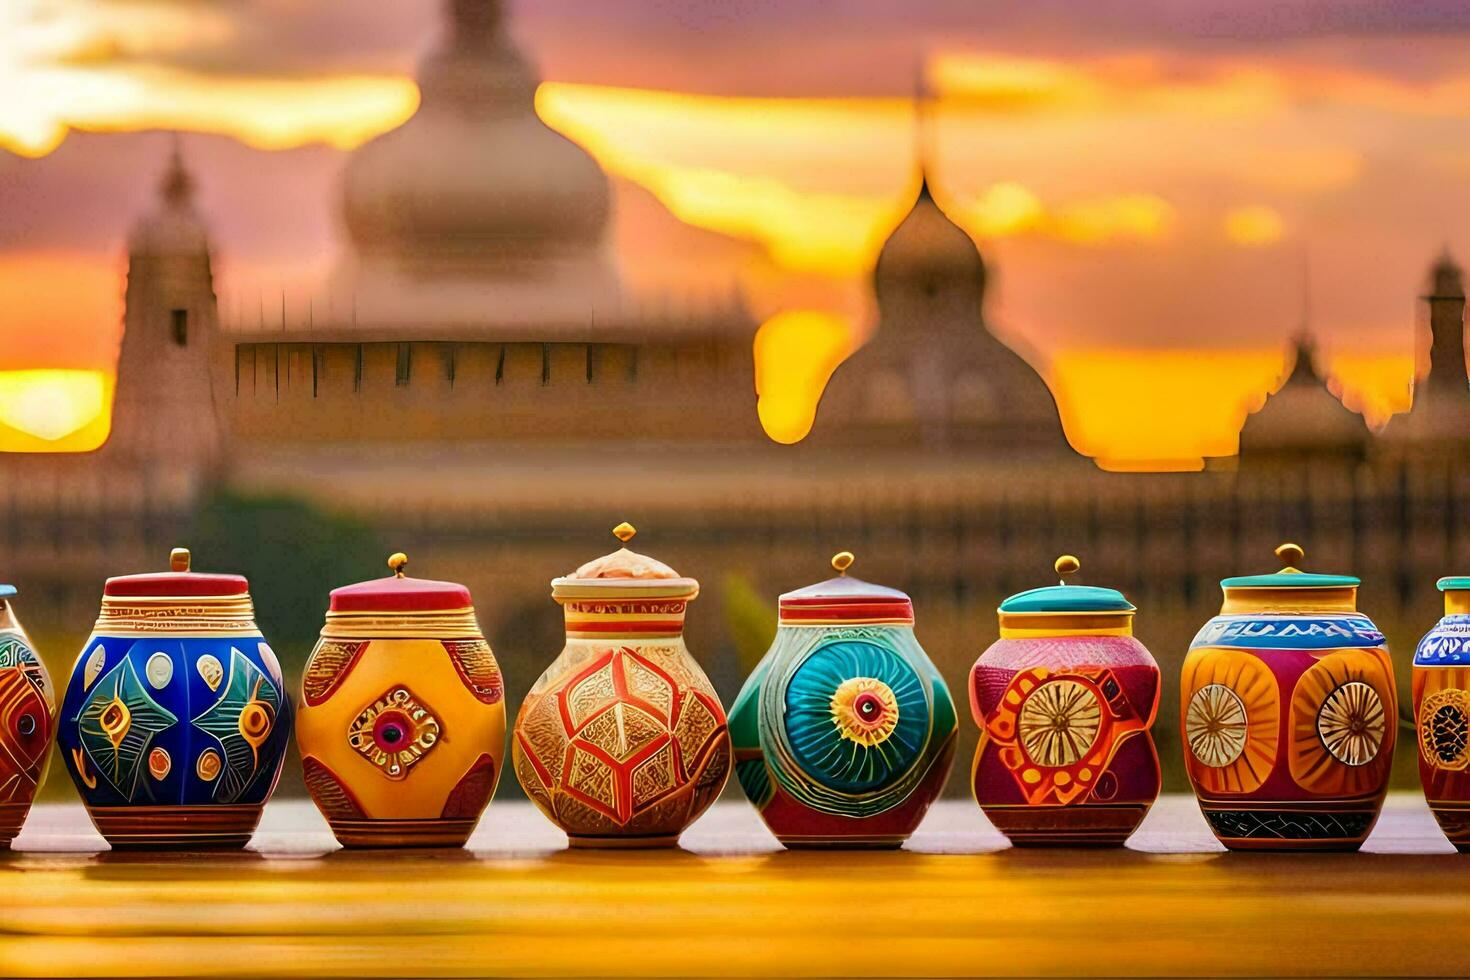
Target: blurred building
(1303, 420)
(488, 395)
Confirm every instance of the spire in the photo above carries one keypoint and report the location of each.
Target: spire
(923, 134)
(474, 23)
(1304, 370)
(177, 186)
(476, 62)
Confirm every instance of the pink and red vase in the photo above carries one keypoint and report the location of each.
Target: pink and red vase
(1065, 700)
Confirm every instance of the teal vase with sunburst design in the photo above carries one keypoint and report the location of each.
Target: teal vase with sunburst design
(845, 732)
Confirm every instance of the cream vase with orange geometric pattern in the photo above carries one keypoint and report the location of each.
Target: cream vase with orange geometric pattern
(623, 742)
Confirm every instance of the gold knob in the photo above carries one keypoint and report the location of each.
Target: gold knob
(396, 561)
(1066, 565)
(1290, 554)
(842, 561)
(178, 560)
(624, 532)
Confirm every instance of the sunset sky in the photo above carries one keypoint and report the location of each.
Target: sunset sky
(1163, 189)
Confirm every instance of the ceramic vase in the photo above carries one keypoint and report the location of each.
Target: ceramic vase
(1065, 701)
(402, 720)
(622, 742)
(176, 718)
(845, 732)
(27, 720)
(1441, 685)
(1288, 712)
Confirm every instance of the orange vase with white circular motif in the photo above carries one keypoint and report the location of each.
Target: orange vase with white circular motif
(1289, 713)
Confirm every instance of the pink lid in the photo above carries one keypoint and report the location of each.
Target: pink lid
(398, 593)
(845, 600)
(178, 583)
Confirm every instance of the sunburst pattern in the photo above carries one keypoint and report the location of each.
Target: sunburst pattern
(1215, 725)
(1351, 723)
(832, 744)
(1242, 675)
(1059, 722)
(865, 711)
(1341, 738)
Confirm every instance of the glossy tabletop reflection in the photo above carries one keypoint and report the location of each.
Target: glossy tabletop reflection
(516, 902)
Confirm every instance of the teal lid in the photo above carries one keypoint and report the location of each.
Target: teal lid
(1064, 598)
(1290, 577)
(6, 591)
(1450, 583)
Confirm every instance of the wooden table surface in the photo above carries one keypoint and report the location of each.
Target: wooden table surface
(516, 902)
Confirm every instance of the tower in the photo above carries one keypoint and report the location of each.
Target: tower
(1446, 303)
(164, 408)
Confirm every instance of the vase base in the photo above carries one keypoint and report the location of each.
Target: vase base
(843, 843)
(12, 817)
(1077, 825)
(212, 827)
(403, 833)
(1453, 818)
(626, 843)
(1321, 827)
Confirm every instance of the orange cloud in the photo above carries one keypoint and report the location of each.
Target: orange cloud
(795, 355)
(1254, 224)
(1010, 208)
(74, 66)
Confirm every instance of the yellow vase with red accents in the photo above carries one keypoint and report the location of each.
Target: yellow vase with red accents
(402, 721)
(1288, 711)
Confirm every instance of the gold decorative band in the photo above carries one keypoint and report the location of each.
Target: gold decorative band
(1456, 602)
(230, 615)
(1021, 626)
(438, 624)
(1277, 599)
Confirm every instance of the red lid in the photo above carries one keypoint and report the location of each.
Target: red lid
(179, 583)
(846, 600)
(398, 593)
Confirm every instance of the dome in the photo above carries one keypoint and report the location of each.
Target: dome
(475, 179)
(1303, 417)
(927, 247)
(173, 227)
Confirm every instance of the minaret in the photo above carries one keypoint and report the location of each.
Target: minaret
(164, 408)
(1446, 302)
